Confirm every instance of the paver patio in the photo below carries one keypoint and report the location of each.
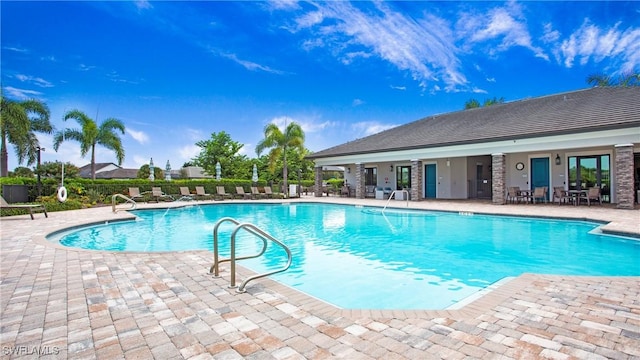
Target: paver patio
(58, 302)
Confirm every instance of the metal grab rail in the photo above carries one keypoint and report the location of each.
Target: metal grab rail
(134, 204)
(392, 195)
(216, 260)
(255, 231)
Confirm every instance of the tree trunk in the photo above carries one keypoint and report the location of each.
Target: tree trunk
(93, 162)
(4, 168)
(285, 174)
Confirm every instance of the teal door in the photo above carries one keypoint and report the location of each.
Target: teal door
(430, 181)
(540, 173)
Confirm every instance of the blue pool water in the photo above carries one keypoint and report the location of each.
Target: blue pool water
(357, 257)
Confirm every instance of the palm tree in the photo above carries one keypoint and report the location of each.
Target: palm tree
(91, 135)
(471, 104)
(627, 79)
(279, 142)
(599, 80)
(18, 123)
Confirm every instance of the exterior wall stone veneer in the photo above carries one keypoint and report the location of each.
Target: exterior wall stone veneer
(624, 176)
(498, 176)
(318, 185)
(360, 180)
(416, 180)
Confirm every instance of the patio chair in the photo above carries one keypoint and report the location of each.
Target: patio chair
(370, 191)
(185, 194)
(134, 194)
(241, 194)
(221, 194)
(158, 194)
(592, 194)
(29, 207)
(539, 193)
(256, 194)
(201, 193)
(560, 194)
(271, 194)
(514, 195)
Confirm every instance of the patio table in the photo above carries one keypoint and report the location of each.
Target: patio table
(575, 195)
(527, 195)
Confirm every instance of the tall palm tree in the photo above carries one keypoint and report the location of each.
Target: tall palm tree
(279, 142)
(91, 135)
(19, 120)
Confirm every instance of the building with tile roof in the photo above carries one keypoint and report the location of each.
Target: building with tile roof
(574, 140)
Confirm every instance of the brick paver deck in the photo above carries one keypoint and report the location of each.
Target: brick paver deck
(58, 302)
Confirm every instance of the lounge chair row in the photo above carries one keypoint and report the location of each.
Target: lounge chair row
(156, 194)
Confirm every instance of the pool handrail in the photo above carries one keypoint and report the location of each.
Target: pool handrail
(134, 205)
(392, 195)
(264, 236)
(215, 267)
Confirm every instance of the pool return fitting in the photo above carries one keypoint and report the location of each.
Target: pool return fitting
(252, 229)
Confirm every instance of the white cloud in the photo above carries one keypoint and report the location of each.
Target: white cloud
(550, 35)
(284, 4)
(83, 67)
(143, 5)
(194, 135)
(50, 58)
(139, 136)
(592, 43)
(249, 65)
(427, 49)
(310, 19)
(139, 161)
(34, 80)
(16, 49)
(500, 24)
(21, 94)
(188, 152)
(307, 125)
(357, 102)
(366, 128)
(398, 87)
(352, 56)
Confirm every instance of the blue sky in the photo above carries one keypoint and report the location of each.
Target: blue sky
(175, 72)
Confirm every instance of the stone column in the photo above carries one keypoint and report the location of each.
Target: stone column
(498, 176)
(317, 189)
(624, 176)
(416, 180)
(360, 180)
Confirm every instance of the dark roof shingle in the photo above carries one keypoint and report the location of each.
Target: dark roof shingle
(572, 112)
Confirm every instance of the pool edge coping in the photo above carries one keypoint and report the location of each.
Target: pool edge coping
(472, 309)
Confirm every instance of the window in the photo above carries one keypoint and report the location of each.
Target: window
(403, 177)
(371, 176)
(590, 171)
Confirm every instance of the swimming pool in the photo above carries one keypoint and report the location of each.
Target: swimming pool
(358, 257)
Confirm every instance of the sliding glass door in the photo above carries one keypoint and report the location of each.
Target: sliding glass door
(403, 177)
(589, 171)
